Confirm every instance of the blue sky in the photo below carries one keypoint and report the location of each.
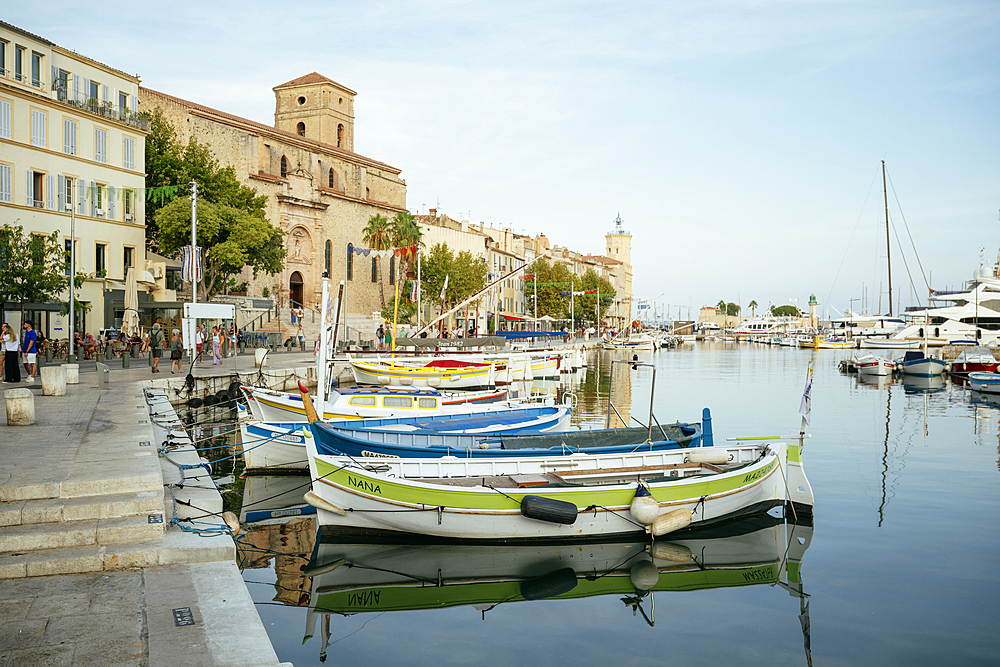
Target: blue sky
(741, 141)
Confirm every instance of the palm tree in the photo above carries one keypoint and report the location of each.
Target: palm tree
(721, 306)
(753, 308)
(405, 233)
(378, 236)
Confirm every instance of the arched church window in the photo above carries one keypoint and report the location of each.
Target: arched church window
(301, 129)
(333, 180)
(284, 166)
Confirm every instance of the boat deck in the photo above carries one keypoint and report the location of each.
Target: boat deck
(583, 477)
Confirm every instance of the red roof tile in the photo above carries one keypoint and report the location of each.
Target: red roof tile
(313, 77)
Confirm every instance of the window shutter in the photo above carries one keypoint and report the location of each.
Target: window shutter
(72, 136)
(55, 76)
(81, 190)
(4, 119)
(86, 89)
(29, 191)
(104, 92)
(93, 199)
(67, 145)
(5, 184)
(114, 98)
(62, 193)
(111, 202)
(50, 195)
(76, 87)
(135, 104)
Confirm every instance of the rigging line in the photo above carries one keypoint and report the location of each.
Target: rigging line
(356, 631)
(848, 248)
(907, 227)
(906, 264)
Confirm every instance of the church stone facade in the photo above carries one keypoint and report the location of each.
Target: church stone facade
(320, 193)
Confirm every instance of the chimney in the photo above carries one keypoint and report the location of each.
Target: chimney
(433, 213)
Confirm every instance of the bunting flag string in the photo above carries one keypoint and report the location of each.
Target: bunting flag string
(399, 252)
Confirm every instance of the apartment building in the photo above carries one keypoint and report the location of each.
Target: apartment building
(72, 147)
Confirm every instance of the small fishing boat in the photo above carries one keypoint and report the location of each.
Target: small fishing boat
(817, 343)
(345, 439)
(872, 365)
(575, 496)
(371, 402)
(282, 445)
(636, 341)
(915, 362)
(445, 373)
(974, 360)
(986, 383)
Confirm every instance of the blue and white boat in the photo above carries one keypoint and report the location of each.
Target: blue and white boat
(281, 444)
(331, 440)
(917, 363)
(987, 383)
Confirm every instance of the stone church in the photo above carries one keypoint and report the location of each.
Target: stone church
(320, 193)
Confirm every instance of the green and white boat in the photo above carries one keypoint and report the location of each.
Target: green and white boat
(572, 497)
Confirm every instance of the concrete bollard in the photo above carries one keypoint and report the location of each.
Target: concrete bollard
(125, 358)
(20, 407)
(54, 380)
(103, 376)
(72, 373)
(258, 357)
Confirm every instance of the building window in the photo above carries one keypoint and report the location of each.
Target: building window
(374, 269)
(19, 63)
(6, 184)
(69, 136)
(38, 128)
(127, 259)
(100, 260)
(4, 119)
(128, 152)
(68, 251)
(301, 129)
(333, 181)
(3, 57)
(284, 166)
(392, 270)
(328, 257)
(350, 263)
(36, 69)
(36, 195)
(100, 145)
(37, 249)
(61, 85)
(340, 135)
(128, 204)
(94, 93)
(122, 102)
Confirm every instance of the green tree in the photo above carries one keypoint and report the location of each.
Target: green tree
(554, 278)
(785, 311)
(466, 274)
(378, 236)
(35, 268)
(234, 239)
(730, 309)
(586, 303)
(173, 164)
(753, 308)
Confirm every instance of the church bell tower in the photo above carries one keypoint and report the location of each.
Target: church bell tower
(317, 108)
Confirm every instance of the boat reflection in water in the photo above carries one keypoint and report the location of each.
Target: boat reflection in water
(915, 384)
(353, 578)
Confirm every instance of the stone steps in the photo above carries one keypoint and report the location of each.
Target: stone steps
(59, 534)
(171, 547)
(47, 510)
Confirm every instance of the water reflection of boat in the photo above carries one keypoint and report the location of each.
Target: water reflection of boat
(352, 578)
(274, 497)
(875, 381)
(915, 384)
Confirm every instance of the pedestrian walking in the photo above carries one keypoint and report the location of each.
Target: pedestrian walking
(231, 339)
(176, 347)
(216, 346)
(11, 371)
(380, 335)
(199, 340)
(30, 347)
(302, 338)
(155, 342)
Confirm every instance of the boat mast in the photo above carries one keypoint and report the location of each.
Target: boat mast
(888, 254)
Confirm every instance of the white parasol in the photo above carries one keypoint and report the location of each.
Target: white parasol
(130, 320)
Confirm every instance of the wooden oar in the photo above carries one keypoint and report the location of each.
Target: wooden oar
(307, 403)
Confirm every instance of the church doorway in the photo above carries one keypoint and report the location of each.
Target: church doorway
(295, 289)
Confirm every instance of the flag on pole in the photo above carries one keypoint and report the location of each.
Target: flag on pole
(444, 288)
(413, 290)
(191, 268)
(806, 405)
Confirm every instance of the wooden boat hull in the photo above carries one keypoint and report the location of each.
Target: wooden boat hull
(889, 344)
(872, 365)
(927, 367)
(399, 375)
(399, 496)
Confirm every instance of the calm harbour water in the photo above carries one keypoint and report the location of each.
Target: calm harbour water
(900, 570)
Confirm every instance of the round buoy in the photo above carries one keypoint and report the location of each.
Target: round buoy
(196, 403)
(383, 379)
(669, 522)
(234, 390)
(644, 575)
(548, 509)
(211, 399)
(644, 507)
(406, 381)
(223, 396)
(232, 522)
(549, 585)
(433, 382)
(669, 551)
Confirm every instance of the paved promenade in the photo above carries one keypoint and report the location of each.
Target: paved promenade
(91, 571)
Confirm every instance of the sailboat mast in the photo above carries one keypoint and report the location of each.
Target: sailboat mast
(888, 254)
